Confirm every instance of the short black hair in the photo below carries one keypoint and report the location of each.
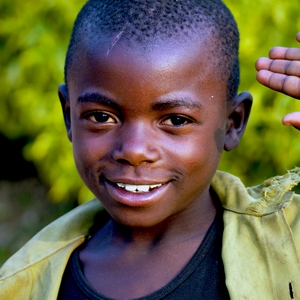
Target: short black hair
(140, 21)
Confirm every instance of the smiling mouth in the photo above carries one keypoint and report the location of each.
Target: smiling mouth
(142, 188)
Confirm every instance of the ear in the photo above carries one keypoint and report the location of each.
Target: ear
(63, 95)
(238, 115)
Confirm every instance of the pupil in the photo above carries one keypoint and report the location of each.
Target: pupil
(101, 117)
(177, 120)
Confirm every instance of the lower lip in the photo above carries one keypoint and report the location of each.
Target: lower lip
(135, 199)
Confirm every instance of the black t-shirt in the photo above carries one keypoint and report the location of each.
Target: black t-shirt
(202, 278)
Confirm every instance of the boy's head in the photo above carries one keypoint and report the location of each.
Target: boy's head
(144, 22)
(150, 103)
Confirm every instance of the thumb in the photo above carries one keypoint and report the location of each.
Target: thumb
(292, 119)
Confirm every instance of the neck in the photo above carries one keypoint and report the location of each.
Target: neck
(186, 225)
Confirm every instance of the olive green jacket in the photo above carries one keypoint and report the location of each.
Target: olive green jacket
(261, 244)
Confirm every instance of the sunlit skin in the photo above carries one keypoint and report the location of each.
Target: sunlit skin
(281, 72)
(157, 117)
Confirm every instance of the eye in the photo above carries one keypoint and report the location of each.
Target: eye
(176, 121)
(100, 117)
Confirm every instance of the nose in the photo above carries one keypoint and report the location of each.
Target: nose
(136, 145)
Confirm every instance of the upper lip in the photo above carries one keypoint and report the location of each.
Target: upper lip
(134, 181)
(137, 181)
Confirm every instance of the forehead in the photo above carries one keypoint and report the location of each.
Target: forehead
(160, 63)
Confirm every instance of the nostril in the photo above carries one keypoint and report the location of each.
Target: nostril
(135, 156)
(123, 161)
(133, 163)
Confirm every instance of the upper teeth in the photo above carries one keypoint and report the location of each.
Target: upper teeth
(143, 188)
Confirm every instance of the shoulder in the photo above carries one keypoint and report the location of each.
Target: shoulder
(261, 235)
(273, 195)
(62, 235)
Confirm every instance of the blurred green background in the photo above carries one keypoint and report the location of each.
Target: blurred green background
(38, 180)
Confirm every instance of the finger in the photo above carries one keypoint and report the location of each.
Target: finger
(263, 76)
(292, 119)
(279, 66)
(298, 37)
(263, 63)
(285, 53)
(285, 67)
(289, 85)
(278, 52)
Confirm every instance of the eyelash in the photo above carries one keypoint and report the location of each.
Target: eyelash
(175, 118)
(103, 115)
(100, 117)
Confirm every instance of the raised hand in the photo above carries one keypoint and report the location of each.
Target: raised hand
(281, 72)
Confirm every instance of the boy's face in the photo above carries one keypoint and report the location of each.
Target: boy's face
(147, 127)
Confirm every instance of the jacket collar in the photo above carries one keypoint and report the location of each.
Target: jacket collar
(259, 200)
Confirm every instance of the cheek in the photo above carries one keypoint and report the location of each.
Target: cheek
(205, 157)
(219, 137)
(83, 160)
(198, 154)
(88, 151)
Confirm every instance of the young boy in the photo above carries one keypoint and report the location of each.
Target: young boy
(150, 102)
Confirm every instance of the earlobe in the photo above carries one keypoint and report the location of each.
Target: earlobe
(238, 115)
(63, 95)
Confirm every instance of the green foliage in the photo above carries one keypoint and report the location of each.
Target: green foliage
(267, 148)
(33, 41)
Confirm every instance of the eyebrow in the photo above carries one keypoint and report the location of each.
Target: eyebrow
(158, 106)
(169, 104)
(97, 98)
